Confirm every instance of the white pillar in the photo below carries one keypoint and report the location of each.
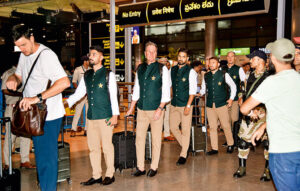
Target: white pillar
(280, 19)
(112, 36)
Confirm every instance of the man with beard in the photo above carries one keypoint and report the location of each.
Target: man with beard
(251, 123)
(214, 81)
(101, 88)
(151, 92)
(184, 89)
(297, 58)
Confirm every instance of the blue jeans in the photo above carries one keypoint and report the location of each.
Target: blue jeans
(285, 170)
(46, 155)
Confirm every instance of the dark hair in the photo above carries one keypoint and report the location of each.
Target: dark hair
(214, 58)
(184, 50)
(19, 31)
(196, 63)
(97, 48)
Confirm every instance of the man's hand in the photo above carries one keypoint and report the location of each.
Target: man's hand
(229, 102)
(258, 133)
(157, 114)
(66, 104)
(113, 120)
(240, 101)
(12, 83)
(255, 114)
(186, 110)
(26, 102)
(130, 111)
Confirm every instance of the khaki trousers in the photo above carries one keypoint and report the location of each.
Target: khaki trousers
(144, 118)
(234, 112)
(183, 137)
(213, 115)
(78, 110)
(24, 142)
(100, 135)
(167, 121)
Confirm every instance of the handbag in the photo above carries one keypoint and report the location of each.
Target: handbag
(31, 122)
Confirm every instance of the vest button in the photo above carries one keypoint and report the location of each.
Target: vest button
(92, 104)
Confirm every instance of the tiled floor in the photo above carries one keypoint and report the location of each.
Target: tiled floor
(211, 173)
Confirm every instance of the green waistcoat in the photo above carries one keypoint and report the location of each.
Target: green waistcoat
(235, 75)
(180, 85)
(97, 94)
(150, 82)
(216, 92)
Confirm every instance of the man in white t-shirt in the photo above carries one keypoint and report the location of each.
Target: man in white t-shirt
(47, 68)
(280, 93)
(77, 76)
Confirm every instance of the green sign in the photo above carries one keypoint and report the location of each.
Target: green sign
(237, 51)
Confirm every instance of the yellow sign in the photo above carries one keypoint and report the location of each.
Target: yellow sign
(118, 44)
(69, 111)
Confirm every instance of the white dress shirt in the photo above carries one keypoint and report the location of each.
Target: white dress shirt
(166, 84)
(112, 86)
(228, 81)
(193, 82)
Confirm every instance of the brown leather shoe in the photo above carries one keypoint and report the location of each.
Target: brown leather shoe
(169, 138)
(27, 165)
(73, 133)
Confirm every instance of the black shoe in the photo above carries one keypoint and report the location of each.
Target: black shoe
(224, 144)
(84, 134)
(212, 152)
(241, 171)
(138, 172)
(230, 149)
(151, 173)
(17, 151)
(108, 181)
(181, 161)
(92, 181)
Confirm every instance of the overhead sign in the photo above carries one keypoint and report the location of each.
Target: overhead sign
(237, 51)
(150, 12)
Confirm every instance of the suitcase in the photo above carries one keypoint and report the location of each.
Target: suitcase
(198, 138)
(124, 145)
(10, 180)
(64, 167)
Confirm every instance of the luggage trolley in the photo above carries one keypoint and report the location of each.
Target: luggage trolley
(198, 142)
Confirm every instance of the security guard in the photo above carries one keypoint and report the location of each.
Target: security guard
(151, 91)
(102, 115)
(214, 81)
(258, 117)
(184, 89)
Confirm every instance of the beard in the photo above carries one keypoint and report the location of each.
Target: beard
(271, 68)
(180, 63)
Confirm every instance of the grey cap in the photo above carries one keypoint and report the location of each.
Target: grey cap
(281, 48)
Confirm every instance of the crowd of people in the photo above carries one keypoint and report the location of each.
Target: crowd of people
(267, 96)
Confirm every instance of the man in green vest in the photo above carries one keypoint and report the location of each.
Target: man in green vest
(102, 116)
(151, 92)
(184, 89)
(238, 75)
(217, 103)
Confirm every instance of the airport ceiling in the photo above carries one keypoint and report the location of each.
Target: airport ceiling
(31, 6)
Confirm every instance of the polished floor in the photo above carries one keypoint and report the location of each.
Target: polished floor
(201, 172)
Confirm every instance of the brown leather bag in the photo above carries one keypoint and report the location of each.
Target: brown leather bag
(31, 122)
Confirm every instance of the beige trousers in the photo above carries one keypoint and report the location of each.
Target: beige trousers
(213, 115)
(234, 112)
(183, 137)
(24, 142)
(99, 135)
(78, 111)
(167, 121)
(144, 118)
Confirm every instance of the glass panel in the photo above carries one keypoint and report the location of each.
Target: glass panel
(176, 29)
(193, 27)
(155, 30)
(196, 36)
(247, 42)
(196, 45)
(224, 24)
(176, 37)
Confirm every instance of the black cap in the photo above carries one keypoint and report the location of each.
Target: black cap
(259, 54)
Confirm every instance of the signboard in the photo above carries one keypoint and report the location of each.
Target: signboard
(150, 12)
(100, 36)
(237, 51)
(135, 35)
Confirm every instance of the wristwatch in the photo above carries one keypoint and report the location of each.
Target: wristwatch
(40, 97)
(188, 106)
(161, 108)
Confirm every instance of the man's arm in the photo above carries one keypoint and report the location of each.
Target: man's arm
(192, 90)
(79, 93)
(12, 93)
(232, 86)
(112, 85)
(13, 82)
(135, 95)
(248, 105)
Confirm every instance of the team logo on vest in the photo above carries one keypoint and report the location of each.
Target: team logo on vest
(220, 83)
(153, 78)
(100, 85)
(183, 79)
(234, 77)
